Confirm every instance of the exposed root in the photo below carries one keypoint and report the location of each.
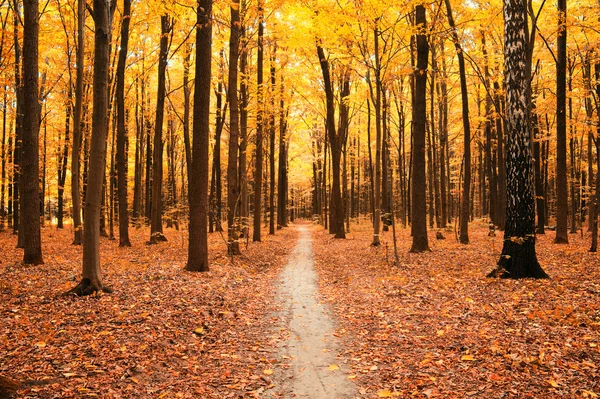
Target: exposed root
(88, 287)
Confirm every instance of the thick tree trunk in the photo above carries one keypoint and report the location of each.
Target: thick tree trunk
(92, 276)
(121, 130)
(561, 128)
(17, 148)
(419, 201)
(156, 228)
(198, 191)
(518, 258)
(31, 125)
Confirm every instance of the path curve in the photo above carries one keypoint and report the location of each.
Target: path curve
(311, 349)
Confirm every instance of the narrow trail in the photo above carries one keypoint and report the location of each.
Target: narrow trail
(311, 348)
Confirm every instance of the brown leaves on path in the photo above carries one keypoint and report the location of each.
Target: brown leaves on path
(164, 332)
(434, 326)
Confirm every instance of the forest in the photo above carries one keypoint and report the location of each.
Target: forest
(311, 199)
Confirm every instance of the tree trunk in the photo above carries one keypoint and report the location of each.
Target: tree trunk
(92, 277)
(233, 186)
(77, 126)
(198, 191)
(243, 161)
(17, 148)
(31, 124)
(121, 130)
(419, 202)
(282, 166)
(258, 172)
(156, 228)
(336, 140)
(518, 258)
(465, 199)
(561, 128)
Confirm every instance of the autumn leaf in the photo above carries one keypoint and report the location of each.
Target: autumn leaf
(384, 393)
(333, 367)
(268, 372)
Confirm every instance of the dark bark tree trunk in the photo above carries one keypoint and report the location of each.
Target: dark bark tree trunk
(92, 277)
(465, 199)
(539, 194)
(216, 187)
(518, 258)
(63, 158)
(156, 228)
(31, 125)
(561, 128)
(233, 185)
(148, 172)
(336, 140)
(243, 159)
(77, 126)
(121, 129)
(258, 164)
(490, 167)
(17, 148)
(198, 191)
(139, 156)
(282, 216)
(419, 202)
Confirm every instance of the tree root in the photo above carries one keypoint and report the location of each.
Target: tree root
(88, 287)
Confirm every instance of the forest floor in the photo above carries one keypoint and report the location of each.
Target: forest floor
(430, 326)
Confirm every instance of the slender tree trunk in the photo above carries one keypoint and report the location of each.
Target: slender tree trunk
(272, 146)
(282, 166)
(77, 126)
(465, 199)
(419, 202)
(258, 172)
(156, 228)
(17, 148)
(233, 185)
(121, 129)
(243, 160)
(561, 128)
(198, 191)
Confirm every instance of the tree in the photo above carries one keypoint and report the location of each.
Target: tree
(92, 276)
(121, 130)
(30, 173)
(466, 194)
(198, 239)
(156, 229)
(561, 127)
(258, 168)
(518, 258)
(233, 185)
(336, 141)
(419, 202)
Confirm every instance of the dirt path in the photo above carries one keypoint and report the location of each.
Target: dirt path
(309, 368)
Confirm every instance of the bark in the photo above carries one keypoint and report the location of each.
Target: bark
(336, 140)
(18, 127)
(139, 156)
(561, 128)
(121, 130)
(419, 207)
(243, 161)
(465, 199)
(63, 158)
(258, 164)
(77, 126)
(31, 124)
(282, 183)
(216, 187)
(156, 228)
(233, 186)
(518, 258)
(198, 191)
(92, 276)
